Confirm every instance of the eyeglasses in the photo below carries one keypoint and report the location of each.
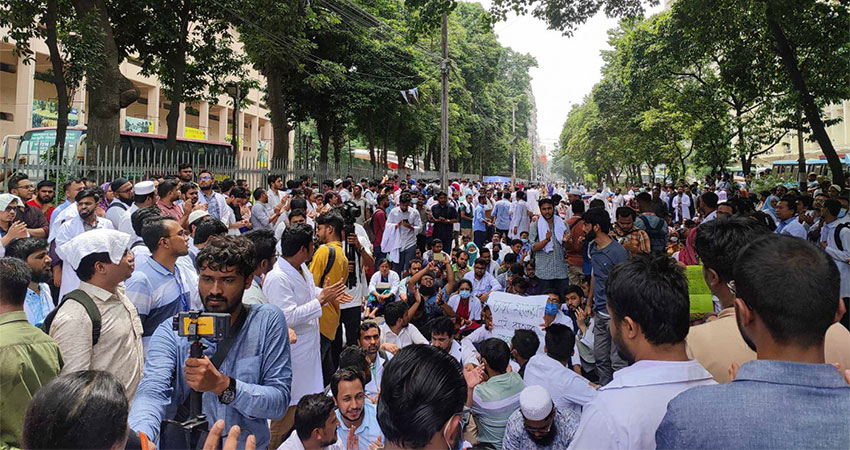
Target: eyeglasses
(543, 430)
(29, 187)
(205, 177)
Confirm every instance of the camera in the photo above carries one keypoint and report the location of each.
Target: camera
(350, 211)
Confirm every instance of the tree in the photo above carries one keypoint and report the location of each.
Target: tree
(188, 47)
(72, 45)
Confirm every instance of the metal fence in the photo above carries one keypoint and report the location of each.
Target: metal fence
(141, 164)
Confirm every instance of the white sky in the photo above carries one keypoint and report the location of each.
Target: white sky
(567, 68)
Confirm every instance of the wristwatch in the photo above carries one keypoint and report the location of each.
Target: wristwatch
(229, 393)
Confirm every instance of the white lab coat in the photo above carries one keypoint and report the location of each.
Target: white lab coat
(567, 388)
(519, 219)
(686, 207)
(67, 231)
(293, 290)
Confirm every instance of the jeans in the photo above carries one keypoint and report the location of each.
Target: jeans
(480, 238)
(608, 359)
(404, 258)
(328, 365)
(378, 254)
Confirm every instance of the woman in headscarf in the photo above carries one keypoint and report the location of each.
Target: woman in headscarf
(105, 199)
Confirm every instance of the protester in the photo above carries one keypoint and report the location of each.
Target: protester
(85, 221)
(443, 216)
(328, 271)
(252, 380)
(549, 236)
(397, 329)
(648, 305)
(443, 337)
(552, 371)
(290, 287)
(494, 400)
(264, 216)
(383, 287)
(783, 314)
(264, 245)
(538, 423)
(650, 221)
(718, 344)
(159, 287)
(376, 355)
(21, 186)
(315, 425)
(144, 195)
(422, 398)
(39, 301)
(123, 194)
(358, 418)
(112, 341)
(786, 213)
(83, 409)
(634, 240)
(30, 358)
(44, 197)
(605, 253)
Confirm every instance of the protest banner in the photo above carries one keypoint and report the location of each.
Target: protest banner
(512, 312)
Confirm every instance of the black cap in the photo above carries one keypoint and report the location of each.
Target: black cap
(117, 183)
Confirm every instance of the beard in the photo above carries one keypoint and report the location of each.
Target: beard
(747, 340)
(548, 439)
(622, 350)
(41, 276)
(86, 216)
(226, 306)
(329, 441)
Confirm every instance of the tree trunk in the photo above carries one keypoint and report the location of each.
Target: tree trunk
(57, 66)
(435, 155)
(277, 112)
(370, 136)
(746, 164)
(324, 129)
(338, 143)
(111, 90)
(178, 67)
(789, 59)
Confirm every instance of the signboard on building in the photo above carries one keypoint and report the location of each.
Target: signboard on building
(46, 114)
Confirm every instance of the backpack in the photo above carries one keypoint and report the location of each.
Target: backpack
(837, 236)
(657, 234)
(79, 296)
(118, 204)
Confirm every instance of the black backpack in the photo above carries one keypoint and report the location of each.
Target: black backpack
(837, 236)
(118, 204)
(657, 234)
(79, 296)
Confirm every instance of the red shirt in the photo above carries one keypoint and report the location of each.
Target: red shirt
(379, 221)
(47, 214)
(574, 251)
(174, 210)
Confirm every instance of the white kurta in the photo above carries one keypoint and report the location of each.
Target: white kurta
(519, 219)
(69, 230)
(292, 290)
(685, 202)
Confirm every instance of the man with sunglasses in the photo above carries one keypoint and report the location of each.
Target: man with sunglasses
(538, 424)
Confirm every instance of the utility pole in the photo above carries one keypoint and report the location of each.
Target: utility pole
(801, 154)
(444, 110)
(513, 144)
(237, 100)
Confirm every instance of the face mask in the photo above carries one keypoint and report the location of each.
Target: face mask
(842, 213)
(414, 200)
(524, 240)
(465, 294)
(551, 309)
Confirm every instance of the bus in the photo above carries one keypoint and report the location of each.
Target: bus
(33, 147)
(819, 167)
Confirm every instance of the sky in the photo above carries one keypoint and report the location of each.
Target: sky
(567, 68)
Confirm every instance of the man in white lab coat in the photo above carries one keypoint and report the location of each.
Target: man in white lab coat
(290, 286)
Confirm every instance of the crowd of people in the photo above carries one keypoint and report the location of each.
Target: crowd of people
(358, 314)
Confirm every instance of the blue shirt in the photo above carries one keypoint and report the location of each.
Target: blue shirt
(478, 219)
(158, 295)
(603, 260)
(38, 306)
(367, 432)
(259, 360)
(770, 404)
(502, 214)
(59, 209)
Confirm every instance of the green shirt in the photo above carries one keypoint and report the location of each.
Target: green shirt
(29, 359)
(493, 402)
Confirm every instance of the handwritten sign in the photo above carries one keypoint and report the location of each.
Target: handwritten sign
(513, 312)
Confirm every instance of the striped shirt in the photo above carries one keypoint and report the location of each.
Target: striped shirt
(158, 294)
(493, 403)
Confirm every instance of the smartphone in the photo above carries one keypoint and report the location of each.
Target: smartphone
(439, 257)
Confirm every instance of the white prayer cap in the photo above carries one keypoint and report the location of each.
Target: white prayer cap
(535, 403)
(101, 240)
(337, 182)
(143, 187)
(195, 215)
(6, 199)
(575, 191)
